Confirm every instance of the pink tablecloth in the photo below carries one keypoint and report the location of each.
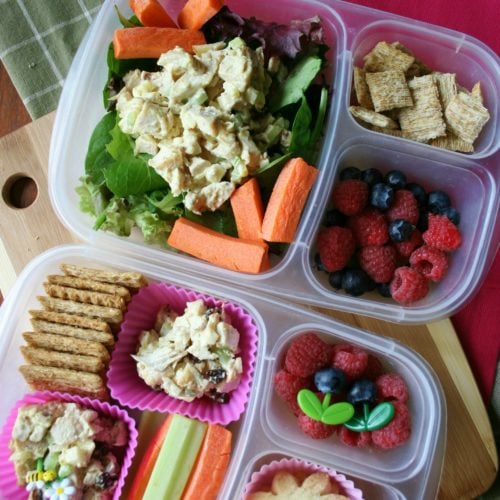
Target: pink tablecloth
(478, 323)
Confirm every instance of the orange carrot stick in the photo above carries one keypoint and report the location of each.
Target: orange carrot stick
(211, 464)
(143, 42)
(225, 251)
(196, 13)
(151, 13)
(148, 462)
(288, 198)
(248, 210)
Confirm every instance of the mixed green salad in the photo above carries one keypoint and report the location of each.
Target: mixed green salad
(182, 132)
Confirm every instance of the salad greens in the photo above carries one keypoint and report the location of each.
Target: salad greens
(121, 191)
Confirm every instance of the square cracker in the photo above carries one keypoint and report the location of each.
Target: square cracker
(424, 121)
(361, 89)
(418, 68)
(466, 116)
(373, 118)
(385, 56)
(71, 320)
(451, 142)
(447, 86)
(389, 90)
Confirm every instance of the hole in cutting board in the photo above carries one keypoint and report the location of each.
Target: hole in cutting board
(20, 191)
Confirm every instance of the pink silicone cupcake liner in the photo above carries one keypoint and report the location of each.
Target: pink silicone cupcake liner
(130, 390)
(262, 479)
(9, 489)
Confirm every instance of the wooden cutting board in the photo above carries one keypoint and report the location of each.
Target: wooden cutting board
(471, 459)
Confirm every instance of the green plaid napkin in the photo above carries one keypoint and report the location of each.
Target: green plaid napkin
(38, 39)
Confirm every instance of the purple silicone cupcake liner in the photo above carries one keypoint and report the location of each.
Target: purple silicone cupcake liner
(9, 488)
(130, 390)
(262, 479)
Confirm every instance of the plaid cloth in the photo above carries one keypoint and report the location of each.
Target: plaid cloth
(38, 39)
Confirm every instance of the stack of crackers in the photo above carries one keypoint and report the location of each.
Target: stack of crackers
(73, 335)
(399, 95)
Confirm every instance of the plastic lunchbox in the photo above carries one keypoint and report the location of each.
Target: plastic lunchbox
(351, 31)
(266, 431)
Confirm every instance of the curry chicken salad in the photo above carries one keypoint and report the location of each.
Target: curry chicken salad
(201, 119)
(191, 355)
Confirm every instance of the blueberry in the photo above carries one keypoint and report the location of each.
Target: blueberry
(400, 230)
(362, 391)
(423, 220)
(372, 176)
(318, 264)
(350, 173)
(335, 279)
(452, 214)
(356, 282)
(418, 191)
(334, 218)
(381, 196)
(396, 179)
(330, 380)
(384, 289)
(437, 201)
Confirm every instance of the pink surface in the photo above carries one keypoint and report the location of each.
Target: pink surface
(262, 479)
(9, 488)
(130, 390)
(476, 18)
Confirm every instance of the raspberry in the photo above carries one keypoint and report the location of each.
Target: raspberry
(442, 233)
(351, 360)
(430, 262)
(287, 386)
(350, 196)
(307, 354)
(408, 285)
(315, 429)
(404, 206)
(397, 431)
(335, 246)
(369, 228)
(391, 386)
(353, 438)
(405, 248)
(373, 369)
(378, 262)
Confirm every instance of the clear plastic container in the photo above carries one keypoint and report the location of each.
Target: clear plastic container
(267, 429)
(471, 180)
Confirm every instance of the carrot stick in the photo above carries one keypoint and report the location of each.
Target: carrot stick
(225, 251)
(148, 462)
(144, 43)
(210, 467)
(196, 13)
(288, 198)
(248, 210)
(151, 13)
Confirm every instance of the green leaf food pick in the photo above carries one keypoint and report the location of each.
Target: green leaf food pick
(335, 414)
(372, 420)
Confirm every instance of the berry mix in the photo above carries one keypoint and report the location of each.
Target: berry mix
(385, 233)
(342, 389)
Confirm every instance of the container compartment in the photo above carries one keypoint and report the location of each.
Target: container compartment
(472, 191)
(368, 489)
(81, 109)
(446, 52)
(397, 464)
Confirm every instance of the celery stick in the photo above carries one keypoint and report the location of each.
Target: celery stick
(176, 459)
